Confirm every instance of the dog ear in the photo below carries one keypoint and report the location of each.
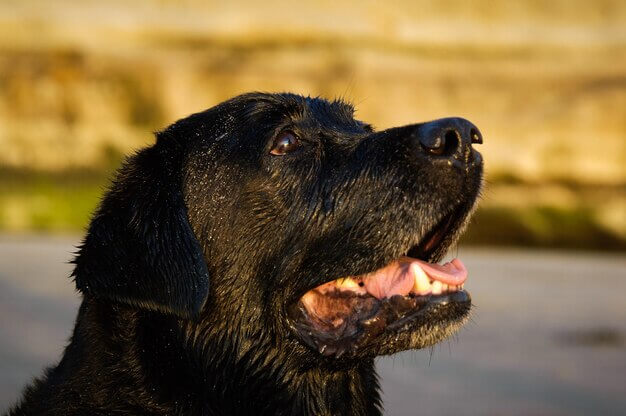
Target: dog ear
(140, 248)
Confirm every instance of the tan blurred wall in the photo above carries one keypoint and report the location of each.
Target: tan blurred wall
(84, 82)
(545, 81)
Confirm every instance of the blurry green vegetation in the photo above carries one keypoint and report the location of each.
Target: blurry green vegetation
(542, 226)
(43, 201)
(64, 201)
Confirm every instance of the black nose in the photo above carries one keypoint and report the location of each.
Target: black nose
(448, 138)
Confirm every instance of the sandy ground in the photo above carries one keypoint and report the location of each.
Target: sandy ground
(547, 337)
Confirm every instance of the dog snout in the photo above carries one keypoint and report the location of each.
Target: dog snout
(449, 139)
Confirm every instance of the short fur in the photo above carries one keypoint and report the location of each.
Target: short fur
(205, 238)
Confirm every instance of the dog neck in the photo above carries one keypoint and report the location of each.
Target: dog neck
(138, 354)
(347, 392)
(258, 375)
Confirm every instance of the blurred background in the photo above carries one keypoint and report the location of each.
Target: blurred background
(83, 83)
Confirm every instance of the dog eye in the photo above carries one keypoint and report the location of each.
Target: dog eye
(285, 142)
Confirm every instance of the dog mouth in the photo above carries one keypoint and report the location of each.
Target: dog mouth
(345, 315)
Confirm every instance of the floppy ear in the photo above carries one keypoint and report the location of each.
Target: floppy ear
(140, 248)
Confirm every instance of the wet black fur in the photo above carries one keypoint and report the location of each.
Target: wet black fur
(204, 239)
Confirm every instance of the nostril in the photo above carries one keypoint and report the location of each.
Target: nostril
(446, 137)
(444, 144)
(451, 141)
(475, 136)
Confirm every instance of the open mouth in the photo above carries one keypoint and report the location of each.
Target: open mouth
(343, 315)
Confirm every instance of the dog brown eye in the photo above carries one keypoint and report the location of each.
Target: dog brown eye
(285, 142)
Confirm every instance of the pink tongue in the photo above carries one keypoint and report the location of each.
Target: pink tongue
(396, 278)
(453, 273)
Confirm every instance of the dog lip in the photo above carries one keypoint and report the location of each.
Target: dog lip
(437, 234)
(459, 297)
(395, 315)
(434, 238)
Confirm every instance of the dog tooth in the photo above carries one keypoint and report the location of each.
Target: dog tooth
(444, 287)
(437, 287)
(452, 288)
(347, 283)
(421, 284)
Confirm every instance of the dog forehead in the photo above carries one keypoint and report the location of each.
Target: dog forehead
(263, 111)
(304, 112)
(336, 115)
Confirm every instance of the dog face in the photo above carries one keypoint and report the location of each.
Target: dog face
(278, 220)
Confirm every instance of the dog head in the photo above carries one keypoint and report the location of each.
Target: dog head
(283, 219)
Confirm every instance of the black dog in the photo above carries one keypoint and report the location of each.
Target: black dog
(258, 257)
